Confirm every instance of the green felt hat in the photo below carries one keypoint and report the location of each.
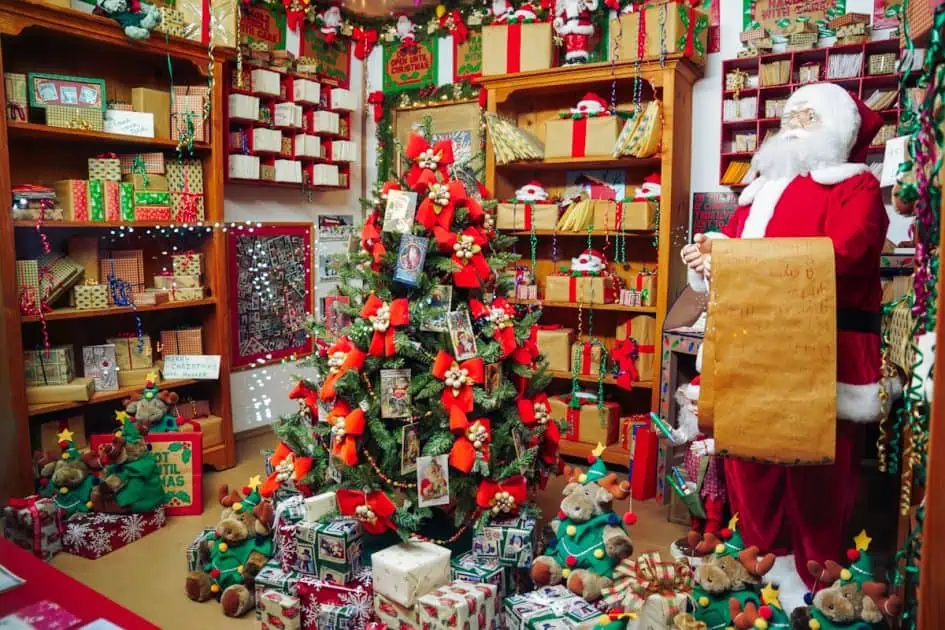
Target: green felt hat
(732, 543)
(127, 429)
(67, 444)
(595, 472)
(860, 569)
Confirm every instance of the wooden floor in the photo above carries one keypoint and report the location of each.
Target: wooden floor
(148, 576)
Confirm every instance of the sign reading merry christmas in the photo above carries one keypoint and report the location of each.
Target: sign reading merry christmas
(409, 67)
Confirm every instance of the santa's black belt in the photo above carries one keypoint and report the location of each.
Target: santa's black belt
(858, 321)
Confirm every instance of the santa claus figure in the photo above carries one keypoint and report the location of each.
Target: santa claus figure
(404, 30)
(501, 11)
(330, 21)
(526, 13)
(573, 23)
(590, 105)
(810, 181)
(591, 262)
(532, 191)
(649, 190)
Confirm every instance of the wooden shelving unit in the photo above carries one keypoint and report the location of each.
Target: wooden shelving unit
(531, 98)
(38, 37)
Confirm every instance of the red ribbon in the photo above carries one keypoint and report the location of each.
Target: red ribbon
(354, 359)
(690, 32)
(515, 486)
(382, 343)
(29, 503)
(513, 48)
(622, 356)
(473, 272)
(376, 99)
(431, 214)
(505, 334)
(528, 215)
(300, 467)
(418, 178)
(526, 409)
(618, 217)
(572, 289)
(574, 424)
(586, 357)
(579, 137)
(641, 32)
(463, 399)
(365, 39)
(464, 453)
(350, 500)
(346, 447)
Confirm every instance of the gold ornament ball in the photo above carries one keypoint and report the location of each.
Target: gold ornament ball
(719, 548)
(237, 506)
(845, 575)
(88, 504)
(598, 553)
(63, 490)
(582, 478)
(761, 624)
(223, 547)
(571, 530)
(703, 601)
(813, 624)
(565, 573)
(239, 569)
(214, 588)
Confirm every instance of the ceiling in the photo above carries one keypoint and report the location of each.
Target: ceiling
(379, 8)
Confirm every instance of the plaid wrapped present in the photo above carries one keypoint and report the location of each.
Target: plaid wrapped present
(331, 617)
(152, 213)
(635, 581)
(90, 295)
(332, 551)
(123, 272)
(137, 163)
(106, 167)
(203, 91)
(112, 196)
(53, 367)
(126, 201)
(187, 295)
(69, 117)
(280, 611)
(151, 297)
(467, 568)
(185, 182)
(17, 99)
(187, 264)
(170, 283)
(72, 195)
(181, 341)
(147, 182)
(458, 605)
(96, 200)
(132, 352)
(35, 524)
(187, 110)
(509, 541)
(172, 22)
(548, 607)
(289, 511)
(152, 198)
(57, 274)
(272, 578)
(193, 554)
(121, 107)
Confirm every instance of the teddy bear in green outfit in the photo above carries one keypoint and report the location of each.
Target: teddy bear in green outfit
(132, 479)
(68, 480)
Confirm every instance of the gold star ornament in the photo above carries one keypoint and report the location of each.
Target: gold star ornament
(770, 594)
(254, 482)
(65, 435)
(598, 451)
(733, 523)
(862, 541)
(122, 416)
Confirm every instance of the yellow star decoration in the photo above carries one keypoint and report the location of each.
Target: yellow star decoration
(733, 523)
(770, 594)
(122, 416)
(862, 541)
(65, 435)
(254, 482)
(151, 376)
(598, 451)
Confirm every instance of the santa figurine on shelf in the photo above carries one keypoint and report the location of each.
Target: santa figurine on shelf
(590, 105)
(810, 180)
(573, 23)
(649, 190)
(329, 21)
(590, 262)
(404, 30)
(526, 12)
(501, 11)
(533, 191)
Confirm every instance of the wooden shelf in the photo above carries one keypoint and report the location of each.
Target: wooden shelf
(270, 184)
(36, 131)
(596, 307)
(75, 313)
(573, 164)
(614, 454)
(100, 225)
(609, 380)
(100, 397)
(635, 233)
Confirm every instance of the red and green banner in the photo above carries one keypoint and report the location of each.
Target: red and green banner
(467, 57)
(260, 23)
(409, 68)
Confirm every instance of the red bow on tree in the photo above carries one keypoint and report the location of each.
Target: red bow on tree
(459, 379)
(437, 208)
(302, 391)
(364, 41)
(345, 433)
(526, 355)
(342, 356)
(371, 240)
(374, 509)
(288, 467)
(427, 161)
(384, 318)
(501, 315)
(294, 17)
(535, 412)
(453, 22)
(502, 497)
(377, 100)
(472, 442)
(623, 355)
(474, 270)
(549, 444)
(338, 412)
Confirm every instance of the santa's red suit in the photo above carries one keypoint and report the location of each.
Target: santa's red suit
(805, 510)
(573, 23)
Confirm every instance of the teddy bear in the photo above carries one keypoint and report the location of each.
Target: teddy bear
(589, 538)
(131, 479)
(151, 409)
(137, 20)
(68, 480)
(241, 544)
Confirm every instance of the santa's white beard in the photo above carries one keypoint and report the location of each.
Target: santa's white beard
(794, 152)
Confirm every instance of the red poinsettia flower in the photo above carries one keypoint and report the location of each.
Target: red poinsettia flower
(342, 356)
(502, 497)
(427, 161)
(501, 315)
(288, 466)
(373, 509)
(459, 378)
(384, 318)
(472, 441)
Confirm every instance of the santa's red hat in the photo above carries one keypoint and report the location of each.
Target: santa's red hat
(652, 178)
(590, 97)
(841, 112)
(692, 389)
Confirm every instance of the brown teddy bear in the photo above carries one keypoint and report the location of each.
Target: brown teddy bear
(131, 479)
(68, 479)
(151, 409)
(241, 544)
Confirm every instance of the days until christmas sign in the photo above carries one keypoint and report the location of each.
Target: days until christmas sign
(467, 58)
(334, 60)
(409, 67)
(260, 24)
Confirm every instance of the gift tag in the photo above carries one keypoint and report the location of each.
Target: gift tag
(409, 448)
(395, 393)
(461, 334)
(433, 480)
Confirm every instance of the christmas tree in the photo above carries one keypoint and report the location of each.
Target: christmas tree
(430, 404)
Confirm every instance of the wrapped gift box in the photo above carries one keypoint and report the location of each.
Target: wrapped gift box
(468, 568)
(152, 198)
(134, 353)
(189, 264)
(315, 593)
(272, 578)
(287, 115)
(641, 328)
(193, 549)
(105, 168)
(555, 344)
(139, 163)
(549, 607)
(407, 571)
(151, 297)
(223, 29)
(244, 107)
(284, 543)
(267, 140)
(172, 23)
(332, 551)
(644, 283)
(93, 535)
(286, 147)
(17, 98)
(69, 117)
(629, 426)
(323, 174)
(211, 428)
(45, 615)
(158, 104)
(55, 366)
(458, 605)
(152, 213)
(123, 272)
(344, 151)
(589, 423)
(393, 615)
(96, 200)
(194, 409)
(138, 378)
(72, 195)
(624, 215)
(280, 611)
(332, 617)
(147, 182)
(265, 82)
(49, 433)
(170, 282)
(90, 296)
(510, 541)
(319, 505)
(343, 100)
(526, 216)
(187, 295)
(35, 524)
(507, 49)
(243, 166)
(49, 277)
(181, 341)
(305, 91)
(583, 137)
(321, 121)
(683, 28)
(307, 146)
(112, 196)
(79, 389)
(591, 359)
(581, 289)
(289, 171)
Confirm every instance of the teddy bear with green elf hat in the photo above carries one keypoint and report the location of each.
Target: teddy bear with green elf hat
(132, 479)
(68, 480)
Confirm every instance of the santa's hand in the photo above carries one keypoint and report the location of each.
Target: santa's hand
(691, 256)
(703, 447)
(707, 266)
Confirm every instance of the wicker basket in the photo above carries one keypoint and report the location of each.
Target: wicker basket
(881, 63)
(75, 117)
(899, 326)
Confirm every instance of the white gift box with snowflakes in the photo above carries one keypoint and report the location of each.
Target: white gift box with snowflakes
(358, 594)
(408, 571)
(93, 534)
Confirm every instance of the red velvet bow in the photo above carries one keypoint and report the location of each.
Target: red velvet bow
(371, 240)
(483, 98)
(474, 270)
(622, 356)
(345, 433)
(501, 314)
(460, 396)
(502, 497)
(293, 17)
(338, 412)
(300, 467)
(302, 391)
(535, 411)
(398, 314)
(549, 443)
(353, 359)
(364, 39)
(427, 161)
(453, 22)
(439, 204)
(377, 100)
(374, 509)
(472, 441)
(613, 5)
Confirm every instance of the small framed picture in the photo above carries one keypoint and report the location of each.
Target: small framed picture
(433, 480)
(400, 211)
(410, 259)
(336, 321)
(68, 95)
(493, 377)
(409, 448)
(395, 393)
(461, 334)
(441, 297)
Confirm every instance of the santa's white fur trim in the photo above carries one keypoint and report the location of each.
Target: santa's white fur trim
(576, 28)
(859, 403)
(762, 207)
(699, 358)
(715, 235)
(831, 175)
(791, 586)
(576, 54)
(748, 195)
(834, 106)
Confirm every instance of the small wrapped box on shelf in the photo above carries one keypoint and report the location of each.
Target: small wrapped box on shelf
(323, 174)
(158, 104)
(244, 166)
(507, 49)
(555, 343)
(305, 91)
(133, 353)
(344, 151)
(55, 366)
(581, 289)
(591, 358)
(17, 99)
(72, 195)
(549, 606)
(146, 182)
(288, 171)
(584, 137)
(280, 611)
(187, 264)
(96, 200)
(458, 605)
(526, 216)
(393, 615)
(267, 140)
(468, 568)
(185, 183)
(152, 198)
(49, 277)
(407, 571)
(79, 389)
(34, 523)
(187, 295)
(332, 551)
(187, 114)
(93, 534)
(265, 82)
(676, 27)
(70, 117)
(33, 202)
(105, 167)
(331, 617)
(306, 145)
(809, 73)
(629, 426)
(244, 107)
(589, 423)
(641, 328)
(181, 341)
(112, 197)
(152, 213)
(510, 541)
(142, 163)
(624, 215)
(343, 100)
(321, 121)
(272, 578)
(90, 295)
(287, 115)
(123, 272)
(151, 297)
(171, 282)
(138, 378)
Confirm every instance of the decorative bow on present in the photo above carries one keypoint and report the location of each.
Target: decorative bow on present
(364, 41)
(437, 208)
(635, 581)
(500, 314)
(427, 161)
(384, 318)
(459, 379)
(309, 396)
(471, 448)
(624, 356)
(288, 467)
(371, 240)
(502, 497)
(345, 433)
(342, 356)
(374, 509)
(474, 270)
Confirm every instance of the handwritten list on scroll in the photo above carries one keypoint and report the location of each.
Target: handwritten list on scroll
(771, 368)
